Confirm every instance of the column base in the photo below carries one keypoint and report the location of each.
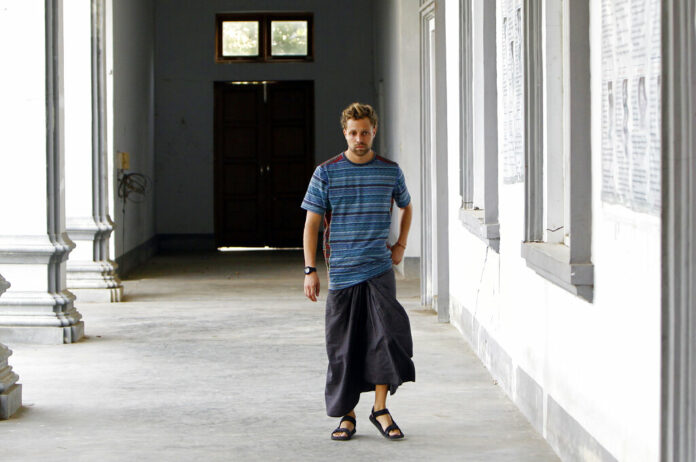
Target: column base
(106, 295)
(10, 401)
(10, 390)
(46, 335)
(39, 317)
(94, 281)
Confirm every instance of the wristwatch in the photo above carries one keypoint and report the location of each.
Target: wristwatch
(309, 269)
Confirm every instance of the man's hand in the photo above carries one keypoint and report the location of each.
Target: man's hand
(397, 253)
(399, 247)
(311, 286)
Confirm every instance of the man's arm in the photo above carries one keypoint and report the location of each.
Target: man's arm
(399, 247)
(309, 242)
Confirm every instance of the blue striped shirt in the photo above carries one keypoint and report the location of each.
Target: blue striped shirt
(356, 201)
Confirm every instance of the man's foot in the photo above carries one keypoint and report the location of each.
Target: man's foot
(385, 424)
(346, 428)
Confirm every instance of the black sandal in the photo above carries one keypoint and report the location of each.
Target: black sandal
(385, 432)
(347, 434)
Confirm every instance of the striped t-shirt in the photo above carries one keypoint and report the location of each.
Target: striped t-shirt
(356, 200)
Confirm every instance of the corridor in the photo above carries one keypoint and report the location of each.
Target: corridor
(220, 357)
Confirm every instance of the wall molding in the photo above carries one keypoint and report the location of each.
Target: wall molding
(474, 221)
(570, 268)
(568, 438)
(479, 122)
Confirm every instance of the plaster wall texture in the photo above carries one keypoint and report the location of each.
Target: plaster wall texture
(342, 72)
(133, 26)
(599, 361)
(397, 78)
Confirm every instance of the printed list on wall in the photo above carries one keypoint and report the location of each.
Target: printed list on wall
(510, 57)
(631, 104)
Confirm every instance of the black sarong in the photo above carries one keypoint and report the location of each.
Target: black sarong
(368, 341)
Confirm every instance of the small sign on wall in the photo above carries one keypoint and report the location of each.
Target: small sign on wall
(123, 161)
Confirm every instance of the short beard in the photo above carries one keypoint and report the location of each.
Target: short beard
(360, 151)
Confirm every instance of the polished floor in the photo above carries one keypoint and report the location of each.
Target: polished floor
(220, 357)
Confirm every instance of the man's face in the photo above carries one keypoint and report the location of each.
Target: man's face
(359, 135)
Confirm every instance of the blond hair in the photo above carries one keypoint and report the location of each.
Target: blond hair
(357, 111)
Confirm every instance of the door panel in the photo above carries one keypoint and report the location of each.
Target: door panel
(291, 138)
(241, 142)
(241, 104)
(288, 141)
(264, 142)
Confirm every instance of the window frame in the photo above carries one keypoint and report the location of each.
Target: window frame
(566, 264)
(265, 20)
(479, 120)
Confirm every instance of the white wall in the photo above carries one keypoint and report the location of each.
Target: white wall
(78, 113)
(133, 114)
(186, 72)
(600, 361)
(397, 78)
(23, 128)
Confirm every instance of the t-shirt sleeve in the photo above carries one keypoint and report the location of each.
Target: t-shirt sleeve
(400, 192)
(317, 197)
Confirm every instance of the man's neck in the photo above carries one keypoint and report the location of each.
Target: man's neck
(360, 159)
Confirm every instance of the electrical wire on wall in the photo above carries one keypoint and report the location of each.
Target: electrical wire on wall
(132, 187)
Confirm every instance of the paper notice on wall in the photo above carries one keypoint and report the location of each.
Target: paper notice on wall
(512, 67)
(631, 104)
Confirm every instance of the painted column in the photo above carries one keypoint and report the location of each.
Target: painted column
(10, 390)
(91, 275)
(33, 243)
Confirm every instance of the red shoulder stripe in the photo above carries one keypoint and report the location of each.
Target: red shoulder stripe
(386, 160)
(333, 160)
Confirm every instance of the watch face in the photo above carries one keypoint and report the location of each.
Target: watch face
(306, 270)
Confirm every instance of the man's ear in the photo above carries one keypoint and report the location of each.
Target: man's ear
(374, 131)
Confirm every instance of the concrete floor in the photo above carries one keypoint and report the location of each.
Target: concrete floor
(220, 357)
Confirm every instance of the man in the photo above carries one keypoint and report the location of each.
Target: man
(368, 335)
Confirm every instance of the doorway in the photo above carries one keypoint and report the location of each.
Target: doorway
(264, 145)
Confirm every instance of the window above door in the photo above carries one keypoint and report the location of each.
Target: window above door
(264, 37)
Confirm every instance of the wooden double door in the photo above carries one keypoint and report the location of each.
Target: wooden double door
(264, 145)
